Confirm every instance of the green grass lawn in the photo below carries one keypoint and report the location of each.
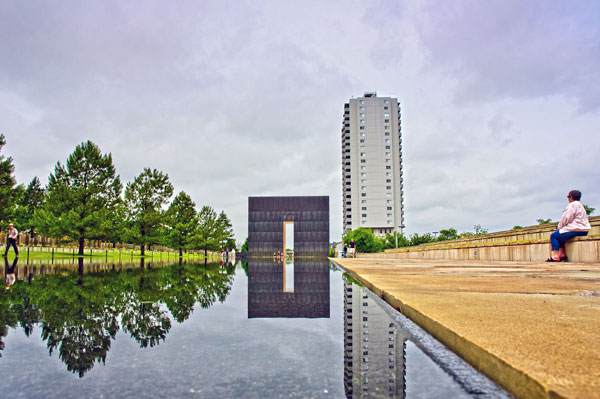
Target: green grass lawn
(112, 255)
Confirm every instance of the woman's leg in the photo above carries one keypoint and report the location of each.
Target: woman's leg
(562, 239)
(556, 245)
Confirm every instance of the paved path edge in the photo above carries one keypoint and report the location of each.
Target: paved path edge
(515, 381)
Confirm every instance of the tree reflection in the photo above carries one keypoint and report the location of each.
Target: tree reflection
(79, 313)
(80, 345)
(28, 315)
(142, 316)
(76, 320)
(146, 323)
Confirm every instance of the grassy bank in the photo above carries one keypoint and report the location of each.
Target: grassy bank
(110, 255)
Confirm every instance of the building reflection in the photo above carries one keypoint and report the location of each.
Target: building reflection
(374, 348)
(296, 289)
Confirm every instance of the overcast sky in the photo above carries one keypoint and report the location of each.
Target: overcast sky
(500, 99)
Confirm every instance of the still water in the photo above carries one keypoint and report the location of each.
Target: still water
(252, 330)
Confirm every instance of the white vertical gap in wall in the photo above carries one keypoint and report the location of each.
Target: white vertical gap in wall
(288, 268)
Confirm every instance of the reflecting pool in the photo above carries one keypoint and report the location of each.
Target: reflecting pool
(258, 329)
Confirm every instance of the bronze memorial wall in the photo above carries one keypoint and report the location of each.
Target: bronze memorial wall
(266, 217)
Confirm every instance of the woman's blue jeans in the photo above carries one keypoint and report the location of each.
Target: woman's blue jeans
(557, 240)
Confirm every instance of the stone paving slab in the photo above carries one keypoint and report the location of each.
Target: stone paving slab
(534, 328)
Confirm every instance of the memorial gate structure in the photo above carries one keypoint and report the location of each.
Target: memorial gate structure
(269, 216)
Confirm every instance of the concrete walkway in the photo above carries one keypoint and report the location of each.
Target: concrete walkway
(534, 328)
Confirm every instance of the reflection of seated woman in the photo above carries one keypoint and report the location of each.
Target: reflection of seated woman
(574, 222)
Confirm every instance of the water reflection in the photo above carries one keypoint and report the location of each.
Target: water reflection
(9, 272)
(388, 356)
(293, 289)
(373, 348)
(360, 348)
(81, 308)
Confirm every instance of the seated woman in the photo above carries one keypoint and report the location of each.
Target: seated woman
(574, 222)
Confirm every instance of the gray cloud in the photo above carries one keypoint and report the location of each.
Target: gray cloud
(234, 98)
(516, 49)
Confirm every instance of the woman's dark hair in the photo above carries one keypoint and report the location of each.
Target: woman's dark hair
(575, 194)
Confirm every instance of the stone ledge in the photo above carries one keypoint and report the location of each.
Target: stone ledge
(581, 249)
(530, 234)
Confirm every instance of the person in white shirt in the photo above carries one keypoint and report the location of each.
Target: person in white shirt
(12, 239)
(574, 222)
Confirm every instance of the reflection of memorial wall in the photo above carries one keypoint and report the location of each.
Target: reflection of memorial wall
(266, 295)
(311, 225)
(374, 361)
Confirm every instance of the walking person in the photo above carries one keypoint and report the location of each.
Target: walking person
(574, 222)
(352, 249)
(12, 240)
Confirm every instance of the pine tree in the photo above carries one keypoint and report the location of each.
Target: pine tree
(81, 196)
(206, 235)
(225, 231)
(144, 200)
(32, 199)
(7, 187)
(182, 221)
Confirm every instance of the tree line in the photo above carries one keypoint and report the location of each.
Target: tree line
(366, 241)
(85, 200)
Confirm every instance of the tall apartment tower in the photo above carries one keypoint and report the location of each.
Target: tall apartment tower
(372, 165)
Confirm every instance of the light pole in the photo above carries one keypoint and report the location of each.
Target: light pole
(396, 234)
